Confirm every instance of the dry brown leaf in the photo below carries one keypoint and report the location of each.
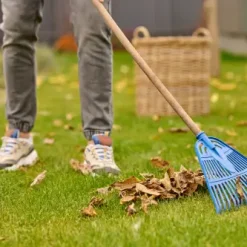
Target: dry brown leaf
(160, 130)
(39, 178)
(89, 211)
(179, 130)
(49, 141)
(58, 123)
(78, 166)
(125, 199)
(242, 123)
(231, 133)
(104, 191)
(68, 127)
(131, 209)
(126, 184)
(159, 162)
(166, 182)
(214, 98)
(117, 127)
(146, 202)
(144, 189)
(156, 118)
(120, 86)
(96, 202)
(239, 188)
(69, 116)
(223, 86)
(2, 238)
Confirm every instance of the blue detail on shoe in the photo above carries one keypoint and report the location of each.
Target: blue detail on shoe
(95, 139)
(15, 134)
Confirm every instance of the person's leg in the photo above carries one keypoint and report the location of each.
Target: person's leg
(95, 67)
(95, 71)
(21, 19)
(20, 23)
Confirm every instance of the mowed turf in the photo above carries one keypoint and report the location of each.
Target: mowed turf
(49, 213)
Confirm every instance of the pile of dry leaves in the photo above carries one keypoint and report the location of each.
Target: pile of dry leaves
(151, 190)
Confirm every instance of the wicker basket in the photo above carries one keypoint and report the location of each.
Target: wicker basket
(182, 64)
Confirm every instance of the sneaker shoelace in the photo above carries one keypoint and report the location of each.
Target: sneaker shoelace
(8, 145)
(102, 153)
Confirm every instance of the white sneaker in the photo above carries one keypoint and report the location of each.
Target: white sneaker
(99, 156)
(16, 152)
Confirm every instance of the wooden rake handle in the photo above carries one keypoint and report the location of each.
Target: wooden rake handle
(146, 69)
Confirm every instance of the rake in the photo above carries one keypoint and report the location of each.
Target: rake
(224, 168)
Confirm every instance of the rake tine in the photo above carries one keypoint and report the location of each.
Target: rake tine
(231, 192)
(216, 198)
(226, 196)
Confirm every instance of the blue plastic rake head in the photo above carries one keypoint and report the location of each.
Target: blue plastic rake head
(222, 167)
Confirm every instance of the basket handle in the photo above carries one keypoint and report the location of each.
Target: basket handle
(141, 31)
(203, 32)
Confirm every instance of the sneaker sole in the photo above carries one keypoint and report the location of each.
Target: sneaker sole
(107, 170)
(104, 170)
(28, 160)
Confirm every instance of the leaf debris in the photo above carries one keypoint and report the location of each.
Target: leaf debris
(39, 178)
(150, 190)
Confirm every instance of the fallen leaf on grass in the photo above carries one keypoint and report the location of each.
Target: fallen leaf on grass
(166, 182)
(156, 118)
(239, 188)
(126, 199)
(2, 238)
(89, 211)
(146, 202)
(116, 127)
(179, 130)
(223, 86)
(57, 122)
(69, 116)
(104, 191)
(120, 86)
(151, 190)
(159, 162)
(242, 123)
(214, 98)
(126, 184)
(95, 202)
(49, 141)
(231, 133)
(68, 127)
(78, 166)
(39, 178)
(144, 189)
(131, 209)
(160, 130)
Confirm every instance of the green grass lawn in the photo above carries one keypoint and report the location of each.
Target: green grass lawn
(49, 214)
